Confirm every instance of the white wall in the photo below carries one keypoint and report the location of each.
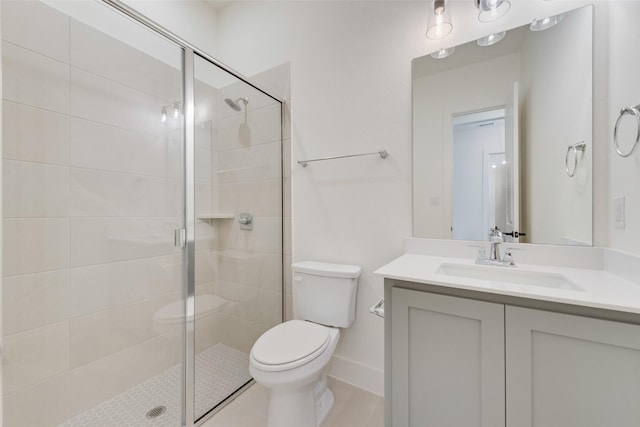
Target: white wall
(1, 237)
(194, 21)
(624, 64)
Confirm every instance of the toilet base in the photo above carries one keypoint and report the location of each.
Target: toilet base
(323, 406)
(302, 407)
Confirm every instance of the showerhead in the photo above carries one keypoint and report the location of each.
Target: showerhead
(235, 104)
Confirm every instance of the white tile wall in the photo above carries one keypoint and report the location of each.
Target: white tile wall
(100, 193)
(102, 240)
(33, 79)
(37, 245)
(102, 333)
(262, 198)
(262, 126)
(36, 300)
(91, 197)
(35, 189)
(265, 237)
(96, 98)
(114, 59)
(44, 140)
(246, 266)
(50, 397)
(36, 27)
(36, 355)
(106, 286)
(261, 162)
(100, 146)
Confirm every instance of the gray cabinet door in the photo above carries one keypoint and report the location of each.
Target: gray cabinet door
(566, 371)
(447, 361)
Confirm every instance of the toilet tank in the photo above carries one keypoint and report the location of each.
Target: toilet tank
(325, 293)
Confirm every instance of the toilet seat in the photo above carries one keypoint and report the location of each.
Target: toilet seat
(289, 345)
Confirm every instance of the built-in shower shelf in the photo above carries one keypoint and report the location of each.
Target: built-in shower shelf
(209, 217)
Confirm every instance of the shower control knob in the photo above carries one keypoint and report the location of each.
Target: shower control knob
(246, 221)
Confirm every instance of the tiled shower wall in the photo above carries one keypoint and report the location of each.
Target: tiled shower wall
(91, 197)
(244, 267)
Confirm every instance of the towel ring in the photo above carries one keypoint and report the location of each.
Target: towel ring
(575, 147)
(634, 111)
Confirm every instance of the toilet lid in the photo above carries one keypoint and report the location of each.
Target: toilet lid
(292, 343)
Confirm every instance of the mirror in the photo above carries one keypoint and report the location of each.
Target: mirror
(502, 137)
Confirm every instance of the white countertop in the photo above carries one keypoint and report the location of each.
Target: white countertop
(600, 288)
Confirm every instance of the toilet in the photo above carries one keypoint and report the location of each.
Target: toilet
(291, 358)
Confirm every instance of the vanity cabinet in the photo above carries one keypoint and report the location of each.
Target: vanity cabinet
(564, 370)
(463, 362)
(447, 361)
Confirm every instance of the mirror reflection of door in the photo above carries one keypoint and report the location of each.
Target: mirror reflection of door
(496, 174)
(480, 177)
(512, 159)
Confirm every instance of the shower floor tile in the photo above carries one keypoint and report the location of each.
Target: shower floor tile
(220, 370)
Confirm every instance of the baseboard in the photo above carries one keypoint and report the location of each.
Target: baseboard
(357, 374)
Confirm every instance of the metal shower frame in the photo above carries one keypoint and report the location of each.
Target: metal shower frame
(189, 52)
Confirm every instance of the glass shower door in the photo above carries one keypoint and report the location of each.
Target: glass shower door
(238, 239)
(93, 309)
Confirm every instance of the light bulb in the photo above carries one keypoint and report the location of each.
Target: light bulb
(545, 23)
(443, 53)
(438, 7)
(439, 23)
(163, 116)
(491, 39)
(490, 10)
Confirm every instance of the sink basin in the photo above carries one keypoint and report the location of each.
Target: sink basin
(508, 275)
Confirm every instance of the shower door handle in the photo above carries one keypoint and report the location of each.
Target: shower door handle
(180, 238)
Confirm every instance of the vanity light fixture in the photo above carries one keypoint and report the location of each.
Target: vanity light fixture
(490, 10)
(163, 114)
(491, 39)
(439, 23)
(545, 23)
(443, 53)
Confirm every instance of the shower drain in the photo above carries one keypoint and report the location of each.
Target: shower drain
(156, 412)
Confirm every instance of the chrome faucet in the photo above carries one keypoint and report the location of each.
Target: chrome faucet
(496, 238)
(495, 257)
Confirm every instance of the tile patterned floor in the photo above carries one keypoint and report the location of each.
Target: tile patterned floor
(220, 370)
(353, 407)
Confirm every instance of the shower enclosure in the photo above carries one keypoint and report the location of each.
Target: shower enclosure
(142, 220)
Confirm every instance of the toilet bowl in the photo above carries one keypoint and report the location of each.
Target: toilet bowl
(291, 358)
